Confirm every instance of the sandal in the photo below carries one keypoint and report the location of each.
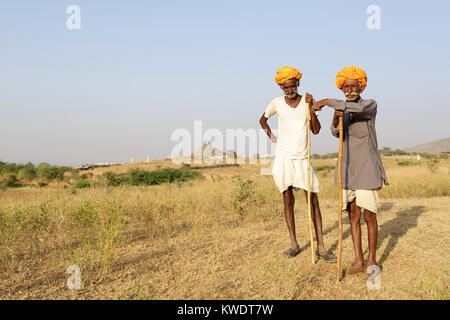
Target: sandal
(292, 252)
(328, 257)
(350, 270)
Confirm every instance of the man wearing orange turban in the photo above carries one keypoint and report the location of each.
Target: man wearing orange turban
(353, 73)
(363, 173)
(291, 158)
(287, 73)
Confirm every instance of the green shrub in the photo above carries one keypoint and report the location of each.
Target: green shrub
(27, 173)
(11, 181)
(242, 195)
(326, 167)
(82, 184)
(50, 173)
(26, 169)
(139, 177)
(165, 175)
(399, 152)
(113, 179)
(432, 164)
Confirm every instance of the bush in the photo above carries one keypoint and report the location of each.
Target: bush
(242, 195)
(27, 172)
(113, 179)
(321, 168)
(405, 163)
(428, 156)
(433, 164)
(6, 168)
(139, 177)
(11, 181)
(82, 184)
(49, 173)
(22, 170)
(399, 152)
(166, 175)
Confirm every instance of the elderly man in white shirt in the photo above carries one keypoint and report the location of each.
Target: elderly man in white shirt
(290, 165)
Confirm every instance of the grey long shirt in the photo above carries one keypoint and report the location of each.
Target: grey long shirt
(361, 163)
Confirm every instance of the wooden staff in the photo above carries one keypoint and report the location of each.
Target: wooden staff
(341, 138)
(309, 184)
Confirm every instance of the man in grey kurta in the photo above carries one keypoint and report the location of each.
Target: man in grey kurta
(362, 171)
(361, 163)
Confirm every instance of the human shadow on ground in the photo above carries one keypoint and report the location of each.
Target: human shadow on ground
(393, 229)
(396, 228)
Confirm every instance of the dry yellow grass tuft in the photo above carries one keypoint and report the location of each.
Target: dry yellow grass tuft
(218, 238)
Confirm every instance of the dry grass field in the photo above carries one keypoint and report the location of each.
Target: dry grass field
(219, 238)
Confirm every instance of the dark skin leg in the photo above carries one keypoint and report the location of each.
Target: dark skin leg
(317, 220)
(289, 201)
(372, 230)
(354, 214)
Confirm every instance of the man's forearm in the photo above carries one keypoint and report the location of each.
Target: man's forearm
(266, 128)
(365, 109)
(269, 132)
(315, 123)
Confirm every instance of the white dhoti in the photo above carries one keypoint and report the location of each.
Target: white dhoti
(293, 172)
(365, 199)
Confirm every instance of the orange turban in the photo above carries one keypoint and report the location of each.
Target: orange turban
(353, 73)
(287, 73)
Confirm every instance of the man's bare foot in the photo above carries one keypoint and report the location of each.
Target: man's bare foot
(355, 268)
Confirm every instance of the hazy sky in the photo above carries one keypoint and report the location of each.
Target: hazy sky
(137, 70)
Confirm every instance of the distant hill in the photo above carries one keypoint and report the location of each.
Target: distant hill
(434, 147)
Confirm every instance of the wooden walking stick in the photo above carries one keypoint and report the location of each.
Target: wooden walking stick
(309, 183)
(341, 138)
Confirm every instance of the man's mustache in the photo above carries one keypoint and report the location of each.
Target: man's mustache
(291, 95)
(351, 95)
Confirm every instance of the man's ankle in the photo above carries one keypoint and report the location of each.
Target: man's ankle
(322, 250)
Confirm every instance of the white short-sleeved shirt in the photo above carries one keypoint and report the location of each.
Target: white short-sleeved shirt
(292, 140)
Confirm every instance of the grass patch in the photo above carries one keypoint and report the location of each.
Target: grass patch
(405, 163)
